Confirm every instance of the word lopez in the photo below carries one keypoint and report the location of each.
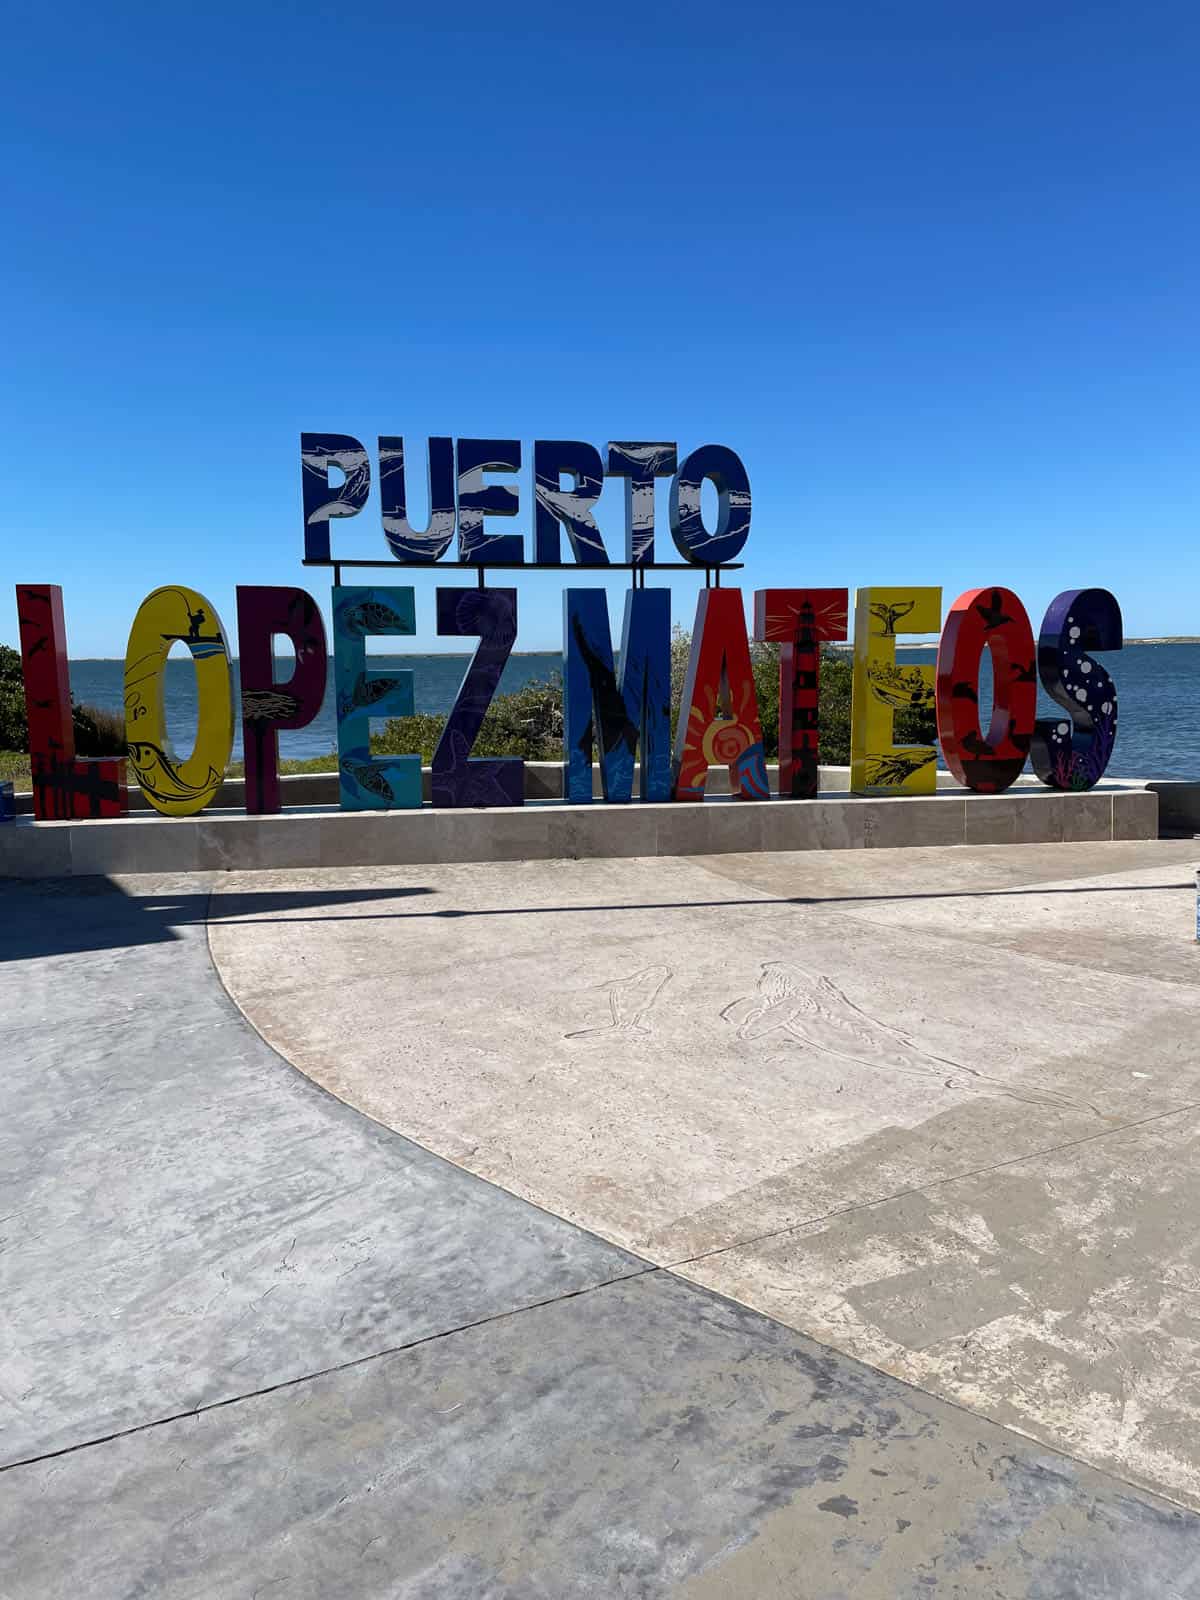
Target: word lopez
(617, 705)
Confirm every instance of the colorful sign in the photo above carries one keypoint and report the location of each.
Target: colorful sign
(616, 708)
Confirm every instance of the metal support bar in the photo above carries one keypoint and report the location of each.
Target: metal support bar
(598, 571)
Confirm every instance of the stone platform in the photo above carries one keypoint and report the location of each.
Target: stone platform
(324, 836)
(767, 1226)
(938, 1109)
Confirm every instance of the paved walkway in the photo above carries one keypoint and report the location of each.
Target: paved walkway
(253, 1343)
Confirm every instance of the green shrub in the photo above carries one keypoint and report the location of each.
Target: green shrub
(529, 723)
(288, 767)
(14, 730)
(14, 769)
(837, 673)
(918, 726)
(98, 732)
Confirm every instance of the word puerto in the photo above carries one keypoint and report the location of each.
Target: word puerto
(460, 499)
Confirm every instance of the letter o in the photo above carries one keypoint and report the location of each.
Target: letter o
(167, 616)
(727, 474)
(994, 619)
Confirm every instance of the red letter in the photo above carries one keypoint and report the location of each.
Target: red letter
(801, 620)
(718, 716)
(997, 619)
(62, 786)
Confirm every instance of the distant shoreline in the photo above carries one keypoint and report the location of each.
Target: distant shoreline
(931, 644)
(416, 655)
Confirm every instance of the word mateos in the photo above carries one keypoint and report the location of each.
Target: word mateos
(459, 499)
(616, 707)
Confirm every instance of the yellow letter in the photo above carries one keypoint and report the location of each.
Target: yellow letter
(178, 788)
(881, 688)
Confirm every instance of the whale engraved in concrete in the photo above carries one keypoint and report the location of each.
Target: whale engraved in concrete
(629, 1000)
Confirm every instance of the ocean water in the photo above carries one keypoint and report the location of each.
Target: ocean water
(436, 680)
(1158, 732)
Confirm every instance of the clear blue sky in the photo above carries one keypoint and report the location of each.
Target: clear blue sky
(931, 268)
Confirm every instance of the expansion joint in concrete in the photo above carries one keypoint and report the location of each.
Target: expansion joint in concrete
(324, 1372)
(923, 1188)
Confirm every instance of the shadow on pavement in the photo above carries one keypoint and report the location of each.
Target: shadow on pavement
(240, 907)
(61, 916)
(72, 915)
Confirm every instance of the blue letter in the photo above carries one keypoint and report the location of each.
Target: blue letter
(571, 507)
(620, 710)
(1072, 752)
(319, 452)
(477, 500)
(639, 465)
(405, 542)
(692, 538)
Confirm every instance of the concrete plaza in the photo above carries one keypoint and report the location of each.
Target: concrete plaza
(809, 1225)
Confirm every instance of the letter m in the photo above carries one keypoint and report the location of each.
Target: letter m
(617, 710)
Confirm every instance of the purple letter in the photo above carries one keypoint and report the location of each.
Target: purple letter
(268, 706)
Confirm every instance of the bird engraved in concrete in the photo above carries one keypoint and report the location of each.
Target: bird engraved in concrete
(815, 1012)
(629, 1000)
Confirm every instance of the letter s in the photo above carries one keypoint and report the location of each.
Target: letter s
(1074, 753)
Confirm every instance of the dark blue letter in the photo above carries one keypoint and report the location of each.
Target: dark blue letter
(619, 710)
(570, 507)
(692, 538)
(319, 452)
(477, 499)
(405, 542)
(1074, 754)
(639, 465)
(456, 780)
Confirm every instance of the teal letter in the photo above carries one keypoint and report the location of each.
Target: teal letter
(369, 783)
